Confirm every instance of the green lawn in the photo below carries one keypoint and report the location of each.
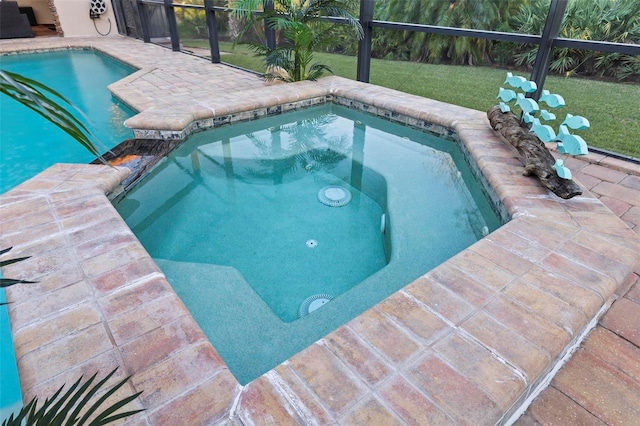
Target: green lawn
(612, 108)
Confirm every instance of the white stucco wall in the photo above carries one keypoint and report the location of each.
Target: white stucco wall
(75, 21)
(40, 9)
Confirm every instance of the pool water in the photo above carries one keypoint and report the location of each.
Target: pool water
(10, 396)
(242, 192)
(312, 253)
(28, 142)
(229, 217)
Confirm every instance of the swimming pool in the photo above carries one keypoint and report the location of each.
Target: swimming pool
(30, 143)
(244, 283)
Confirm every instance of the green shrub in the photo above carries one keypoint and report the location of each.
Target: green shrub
(601, 20)
(300, 31)
(192, 23)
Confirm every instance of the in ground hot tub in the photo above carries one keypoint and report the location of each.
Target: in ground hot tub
(275, 232)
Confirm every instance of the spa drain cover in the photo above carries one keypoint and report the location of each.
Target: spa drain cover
(312, 303)
(334, 196)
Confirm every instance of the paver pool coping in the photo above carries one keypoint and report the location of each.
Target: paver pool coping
(465, 343)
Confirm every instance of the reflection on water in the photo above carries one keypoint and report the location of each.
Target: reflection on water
(255, 186)
(230, 213)
(258, 193)
(30, 143)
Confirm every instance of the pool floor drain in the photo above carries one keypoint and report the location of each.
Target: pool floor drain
(312, 243)
(312, 303)
(334, 196)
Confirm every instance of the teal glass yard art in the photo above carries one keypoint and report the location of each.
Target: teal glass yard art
(531, 115)
(543, 131)
(546, 115)
(571, 144)
(514, 81)
(527, 105)
(576, 122)
(562, 171)
(552, 100)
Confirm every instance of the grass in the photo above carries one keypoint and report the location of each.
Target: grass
(612, 108)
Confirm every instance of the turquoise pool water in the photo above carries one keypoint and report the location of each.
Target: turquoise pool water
(228, 217)
(28, 142)
(10, 396)
(242, 191)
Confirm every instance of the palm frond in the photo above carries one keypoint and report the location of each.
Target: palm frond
(245, 8)
(8, 282)
(316, 71)
(299, 32)
(52, 106)
(8, 262)
(66, 408)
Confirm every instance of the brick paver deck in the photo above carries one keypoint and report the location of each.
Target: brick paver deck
(466, 343)
(601, 382)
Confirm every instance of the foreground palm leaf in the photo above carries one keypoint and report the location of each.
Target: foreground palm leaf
(66, 409)
(49, 104)
(7, 282)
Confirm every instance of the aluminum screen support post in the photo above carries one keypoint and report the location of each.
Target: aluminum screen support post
(212, 26)
(545, 48)
(144, 23)
(173, 25)
(364, 45)
(269, 33)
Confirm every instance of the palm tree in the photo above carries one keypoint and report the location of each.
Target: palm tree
(404, 45)
(474, 14)
(602, 20)
(301, 31)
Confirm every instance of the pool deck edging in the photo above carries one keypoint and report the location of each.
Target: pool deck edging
(464, 343)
